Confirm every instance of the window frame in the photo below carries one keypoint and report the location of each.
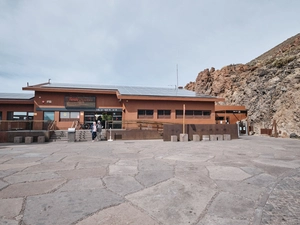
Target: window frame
(145, 113)
(163, 114)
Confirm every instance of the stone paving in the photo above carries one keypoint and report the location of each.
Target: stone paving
(252, 180)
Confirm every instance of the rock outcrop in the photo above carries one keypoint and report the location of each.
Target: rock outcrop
(269, 87)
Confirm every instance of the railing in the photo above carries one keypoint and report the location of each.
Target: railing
(51, 125)
(15, 125)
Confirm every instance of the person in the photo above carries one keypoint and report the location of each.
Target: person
(99, 129)
(94, 131)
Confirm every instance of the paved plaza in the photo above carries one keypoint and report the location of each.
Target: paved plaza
(251, 180)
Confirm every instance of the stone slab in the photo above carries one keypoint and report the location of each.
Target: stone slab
(227, 173)
(18, 139)
(212, 137)
(122, 185)
(227, 205)
(10, 208)
(82, 184)
(41, 139)
(121, 214)
(226, 137)
(205, 137)
(149, 178)
(122, 170)
(31, 188)
(183, 137)
(67, 207)
(28, 140)
(174, 138)
(196, 137)
(173, 201)
(219, 137)
(29, 177)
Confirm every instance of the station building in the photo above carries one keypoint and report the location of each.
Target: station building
(117, 107)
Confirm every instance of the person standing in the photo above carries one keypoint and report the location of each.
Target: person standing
(99, 130)
(94, 131)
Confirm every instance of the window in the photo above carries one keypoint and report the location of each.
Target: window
(206, 113)
(48, 115)
(163, 114)
(68, 116)
(19, 115)
(179, 113)
(145, 114)
(193, 114)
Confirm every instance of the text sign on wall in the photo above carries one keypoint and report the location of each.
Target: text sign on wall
(109, 110)
(80, 102)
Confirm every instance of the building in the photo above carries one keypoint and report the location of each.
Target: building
(119, 107)
(58, 106)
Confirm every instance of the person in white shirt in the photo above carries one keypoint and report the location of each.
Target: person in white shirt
(94, 131)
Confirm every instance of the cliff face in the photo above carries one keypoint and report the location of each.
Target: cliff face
(269, 87)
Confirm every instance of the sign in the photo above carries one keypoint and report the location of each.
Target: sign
(80, 102)
(109, 110)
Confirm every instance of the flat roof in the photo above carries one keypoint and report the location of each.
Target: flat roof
(127, 90)
(17, 96)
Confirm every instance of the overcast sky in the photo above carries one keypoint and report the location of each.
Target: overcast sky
(135, 42)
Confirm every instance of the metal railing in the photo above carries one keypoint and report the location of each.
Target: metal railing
(15, 125)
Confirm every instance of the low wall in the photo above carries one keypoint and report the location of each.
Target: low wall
(33, 133)
(3, 136)
(200, 129)
(133, 134)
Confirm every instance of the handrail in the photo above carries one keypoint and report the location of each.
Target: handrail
(51, 125)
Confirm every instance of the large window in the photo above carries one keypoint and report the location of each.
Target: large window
(145, 114)
(163, 114)
(48, 115)
(20, 115)
(193, 114)
(65, 116)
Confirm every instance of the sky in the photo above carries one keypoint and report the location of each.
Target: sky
(150, 43)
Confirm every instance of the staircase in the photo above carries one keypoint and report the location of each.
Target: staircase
(83, 135)
(62, 135)
(59, 135)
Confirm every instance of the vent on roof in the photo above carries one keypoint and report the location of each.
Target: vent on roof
(180, 87)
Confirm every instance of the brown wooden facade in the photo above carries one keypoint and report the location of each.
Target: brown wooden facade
(67, 105)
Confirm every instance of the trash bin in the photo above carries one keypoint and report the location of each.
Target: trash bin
(71, 134)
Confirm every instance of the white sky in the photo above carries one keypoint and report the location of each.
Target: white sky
(135, 42)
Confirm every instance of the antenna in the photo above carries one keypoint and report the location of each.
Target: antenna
(177, 74)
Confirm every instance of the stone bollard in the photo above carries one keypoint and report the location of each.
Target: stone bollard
(174, 138)
(18, 139)
(184, 137)
(219, 137)
(196, 137)
(227, 137)
(28, 140)
(213, 137)
(205, 137)
(41, 139)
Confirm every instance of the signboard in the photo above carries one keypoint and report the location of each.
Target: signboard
(109, 110)
(80, 102)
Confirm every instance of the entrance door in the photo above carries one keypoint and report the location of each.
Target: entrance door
(242, 127)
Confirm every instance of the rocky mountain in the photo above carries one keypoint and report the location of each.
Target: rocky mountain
(269, 87)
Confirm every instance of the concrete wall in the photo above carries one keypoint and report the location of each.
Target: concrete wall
(200, 129)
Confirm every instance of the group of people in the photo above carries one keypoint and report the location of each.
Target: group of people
(96, 129)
